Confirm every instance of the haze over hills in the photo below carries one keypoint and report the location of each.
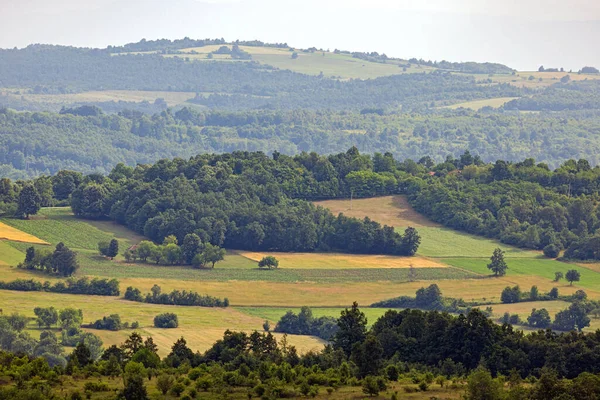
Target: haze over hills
(522, 34)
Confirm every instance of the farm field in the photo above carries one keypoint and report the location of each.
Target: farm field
(479, 104)
(171, 98)
(58, 224)
(326, 282)
(389, 210)
(201, 326)
(330, 64)
(10, 233)
(521, 78)
(437, 241)
(9, 255)
(343, 261)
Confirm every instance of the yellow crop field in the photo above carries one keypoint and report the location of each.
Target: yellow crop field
(343, 261)
(9, 233)
(389, 210)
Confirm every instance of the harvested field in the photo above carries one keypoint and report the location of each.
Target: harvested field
(343, 261)
(389, 210)
(8, 232)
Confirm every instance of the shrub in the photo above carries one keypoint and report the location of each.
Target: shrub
(551, 251)
(177, 389)
(110, 323)
(166, 320)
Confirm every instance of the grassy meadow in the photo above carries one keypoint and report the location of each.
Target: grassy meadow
(342, 66)
(479, 104)
(326, 282)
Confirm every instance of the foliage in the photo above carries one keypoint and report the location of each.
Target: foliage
(268, 262)
(304, 323)
(498, 265)
(176, 297)
(96, 286)
(166, 320)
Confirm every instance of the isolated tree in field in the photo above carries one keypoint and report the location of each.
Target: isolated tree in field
(30, 201)
(497, 264)
(70, 317)
(558, 276)
(213, 254)
(269, 262)
(113, 249)
(572, 275)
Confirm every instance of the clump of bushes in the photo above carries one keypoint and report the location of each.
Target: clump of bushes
(166, 320)
(176, 297)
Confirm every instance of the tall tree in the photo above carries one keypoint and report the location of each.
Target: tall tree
(573, 275)
(352, 329)
(410, 241)
(30, 201)
(113, 249)
(497, 264)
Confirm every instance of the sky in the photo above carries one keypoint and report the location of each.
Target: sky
(522, 34)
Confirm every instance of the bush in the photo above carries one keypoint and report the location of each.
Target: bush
(511, 295)
(110, 323)
(166, 320)
(551, 251)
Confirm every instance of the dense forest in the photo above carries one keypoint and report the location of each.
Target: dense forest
(254, 201)
(87, 140)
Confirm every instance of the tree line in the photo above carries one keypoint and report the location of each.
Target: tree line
(477, 357)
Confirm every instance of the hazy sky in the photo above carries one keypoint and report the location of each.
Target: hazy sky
(520, 33)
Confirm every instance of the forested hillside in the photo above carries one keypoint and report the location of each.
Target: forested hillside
(254, 201)
(87, 140)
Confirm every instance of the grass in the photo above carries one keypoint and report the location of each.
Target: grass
(172, 98)
(389, 210)
(479, 104)
(9, 255)
(542, 267)
(56, 225)
(330, 64)
(200, 326)
(98, 266)
(445, 243)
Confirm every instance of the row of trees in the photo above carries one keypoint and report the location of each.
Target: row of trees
(176, 297)
(192, 252)
(95, 286)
